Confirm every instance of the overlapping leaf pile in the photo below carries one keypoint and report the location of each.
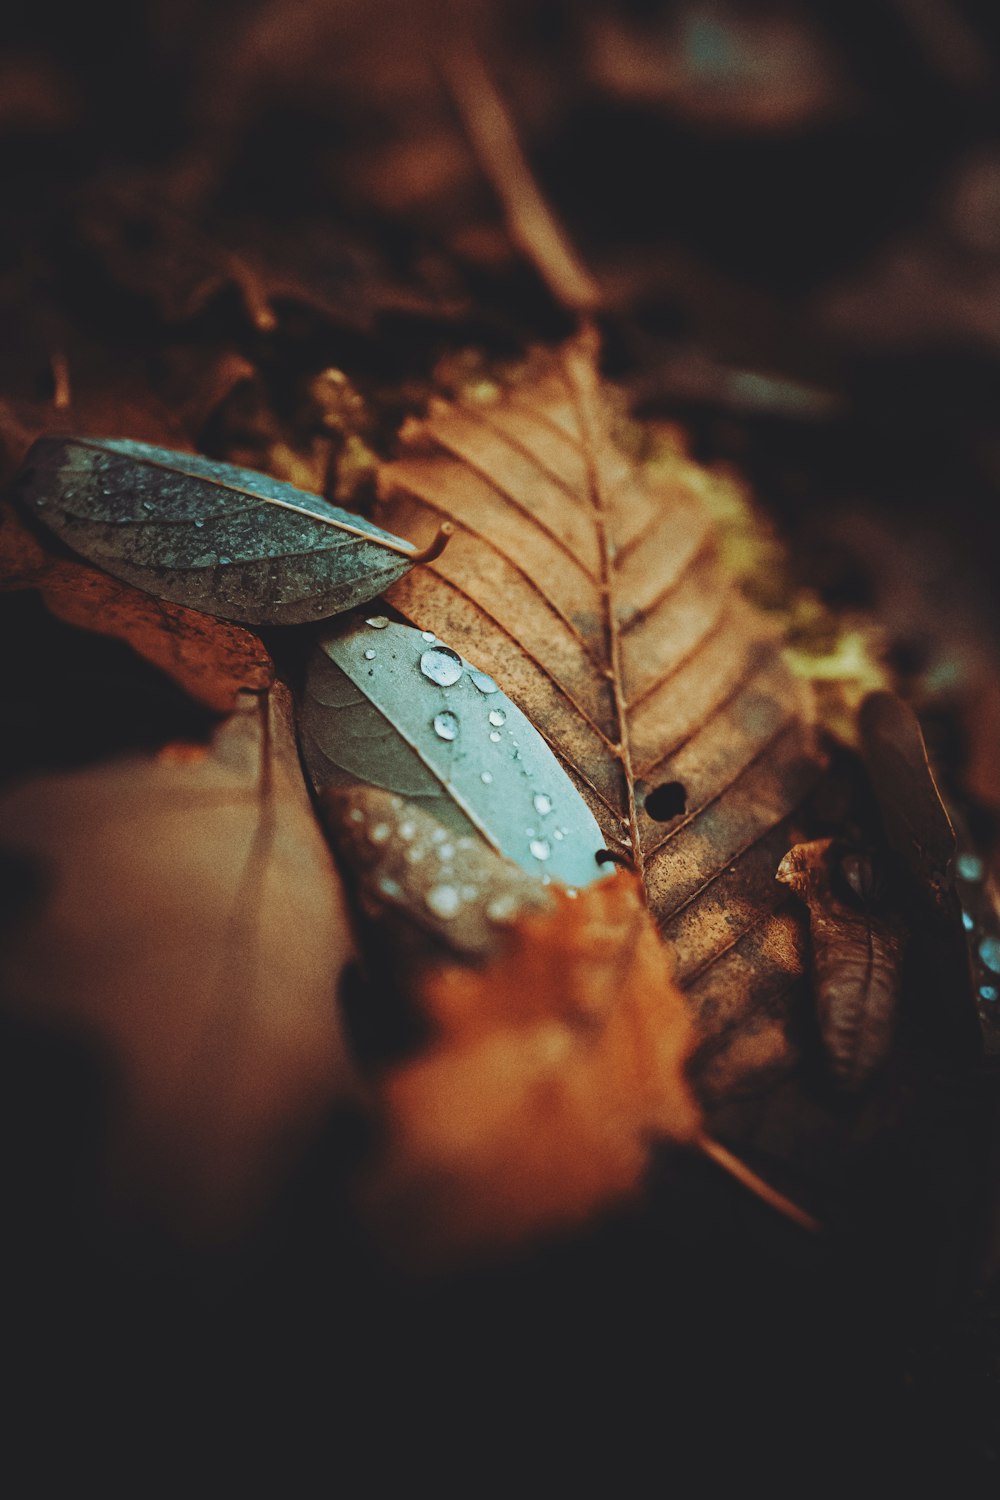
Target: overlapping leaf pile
(597, 600)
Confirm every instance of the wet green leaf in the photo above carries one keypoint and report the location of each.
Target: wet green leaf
(389, 706)
(208, 535)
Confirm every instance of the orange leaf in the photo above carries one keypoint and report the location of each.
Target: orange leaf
(212, 660)
(553, 1068)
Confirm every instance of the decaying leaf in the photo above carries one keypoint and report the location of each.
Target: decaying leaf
(212, 660)
(209, 535)
(410, 869)
(389, 706)
(552, 1068)
(856, 950)
(916, 824)
(592, 592)
(192, 925)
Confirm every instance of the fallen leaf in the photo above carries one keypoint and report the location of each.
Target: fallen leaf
(916, 824)
(593, 593)
(212, 660)
(552, 1068)
(207, 534)
(408, 869)
(193, 927)
(856, 952)
(386, 706)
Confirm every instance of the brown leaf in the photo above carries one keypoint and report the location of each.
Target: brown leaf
(856, 955)
(210, 659)
(552, 1068)
(594, 595)
(191, 925)
(916, 824)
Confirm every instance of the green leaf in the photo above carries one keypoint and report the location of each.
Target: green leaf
(209, 535)
(389, 706)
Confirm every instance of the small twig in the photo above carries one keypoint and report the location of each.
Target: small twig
(62, 393)
(762, 1190)
(530, 222)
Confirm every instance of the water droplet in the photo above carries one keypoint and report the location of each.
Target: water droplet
(356, 815)
(442, 665)
(540, 848)
(513, 742)
(428, 635)
(497, 717)
(148, 505)
(469, 892)
(199, 523)
(987, 991)
(494, 736)
(446, 725)
(390, 888)
(969, 867)
(502, 909)
(531, 832)
(486, 777)
(438, 836)
(446, 853)
(989, 952)
(516, 755)
(224, 562)
(443, 900)
(572, 892)
(407, 830)
(465, 842)
(542, 804)
(414, 854)
(377, 622)
(483, 681)
(557, 833)
(379, 833)
(968, 921)
(369, 656)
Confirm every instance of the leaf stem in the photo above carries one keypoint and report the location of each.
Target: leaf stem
(756, 1185)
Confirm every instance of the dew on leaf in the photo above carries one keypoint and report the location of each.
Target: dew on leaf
(446, 725)
(542, 804)
(497, 717)
(483, 681)
(540, 848)
(390, 888)
(486, 777)
(494, 736)
(443, 900)
(377, 622)
(502, 909)
(379, 833)
(407, 830)
(441, 665)
(989, 952)
(369, 656)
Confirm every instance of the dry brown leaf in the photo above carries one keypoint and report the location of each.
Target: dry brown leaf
(856, 952)
(192, 925)
(595, 596)
(212, 660)
(552, 1068)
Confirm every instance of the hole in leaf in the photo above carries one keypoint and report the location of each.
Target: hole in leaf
(666, 801)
